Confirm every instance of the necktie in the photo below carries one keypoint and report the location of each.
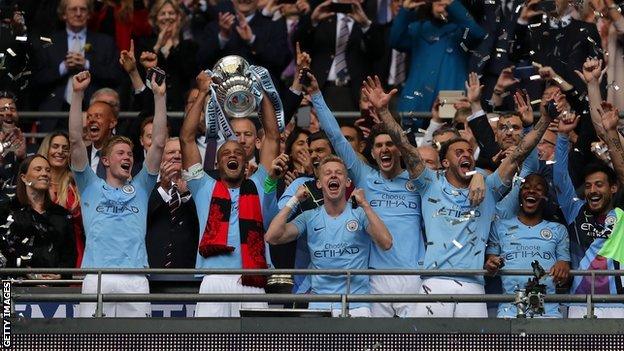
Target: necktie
(382, 12)
(289, 71)
(174, 206)
(397, 71)
(100, 170)
(341, 48)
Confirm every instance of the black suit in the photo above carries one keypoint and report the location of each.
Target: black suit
(269, 50)
(320, 42)
(183, 235)
(564, 49)
(102, 56)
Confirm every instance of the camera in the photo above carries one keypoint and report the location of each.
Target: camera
(530, 301)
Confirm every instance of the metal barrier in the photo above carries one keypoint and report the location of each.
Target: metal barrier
(344, 299)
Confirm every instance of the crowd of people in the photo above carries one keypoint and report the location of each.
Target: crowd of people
(487, 136)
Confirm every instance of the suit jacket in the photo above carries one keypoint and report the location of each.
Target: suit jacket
(269, 50)
(563, 49)
(183, 235)
(320, 43)
(103, 66)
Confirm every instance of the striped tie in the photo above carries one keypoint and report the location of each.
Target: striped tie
(341, 49)
(174, 206)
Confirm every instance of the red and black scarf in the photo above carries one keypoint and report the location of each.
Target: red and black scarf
(214, 239)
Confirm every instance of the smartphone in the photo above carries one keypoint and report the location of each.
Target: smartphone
(369, 121)
(447, 99)
(551, 109)
(354, 203)
(305, 80)
(340, 7)
(303, 116)
(158, 73)
(524, 72)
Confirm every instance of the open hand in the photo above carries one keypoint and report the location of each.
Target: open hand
(374, 92)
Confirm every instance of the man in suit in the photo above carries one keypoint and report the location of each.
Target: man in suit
(172, 226)
(101, 121)
(245, 32)
(342, 47)
(560, 42)
(73, 50)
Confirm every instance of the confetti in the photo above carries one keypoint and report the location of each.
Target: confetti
(471, 173)
(535, 77)
(458, 244)
(535, 102)
(11, 52)
(466, 33)
(494, 119)
(463, 46)
(420, 130)
(417, 93)
(551, 162)
(47, 40)
(21, 38)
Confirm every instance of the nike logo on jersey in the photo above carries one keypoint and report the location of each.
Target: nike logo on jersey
(377, 181)
(317, 229)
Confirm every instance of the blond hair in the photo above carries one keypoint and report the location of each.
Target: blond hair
(153, 15)
(114, 140)
(66, 180)
(331, 158)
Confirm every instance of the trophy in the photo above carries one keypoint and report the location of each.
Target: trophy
(234, 86)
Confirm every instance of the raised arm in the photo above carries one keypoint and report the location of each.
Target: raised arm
(279, 231)
(357, 168)
(564, 188)
(376, 227)
(400, 38)
(271, 145)
(373, 91)
(159, 129)
(592, 75)
(190, 151)
(510, 164)
(78, 150)
(610, 118)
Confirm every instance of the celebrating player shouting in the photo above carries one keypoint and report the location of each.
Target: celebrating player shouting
(114, 211)
(456, 231)
(337, 235)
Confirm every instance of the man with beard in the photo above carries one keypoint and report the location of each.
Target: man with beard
(594, 223)
(338, 236)
(231, 211)
(527, 237)
(391, 195)
(114, 210)
(456, 230)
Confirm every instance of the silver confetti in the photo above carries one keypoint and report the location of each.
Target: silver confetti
(21, 38)
(458, 244)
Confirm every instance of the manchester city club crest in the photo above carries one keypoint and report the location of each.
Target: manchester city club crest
(352, 225)
(610, 220)
(409, 185)
(546, 234)
(128, 189)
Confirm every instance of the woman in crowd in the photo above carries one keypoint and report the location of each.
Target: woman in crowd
(122, 20)
(37, 233)
(63, 190)
(437, 35)
(300, 164)
(174, 54)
